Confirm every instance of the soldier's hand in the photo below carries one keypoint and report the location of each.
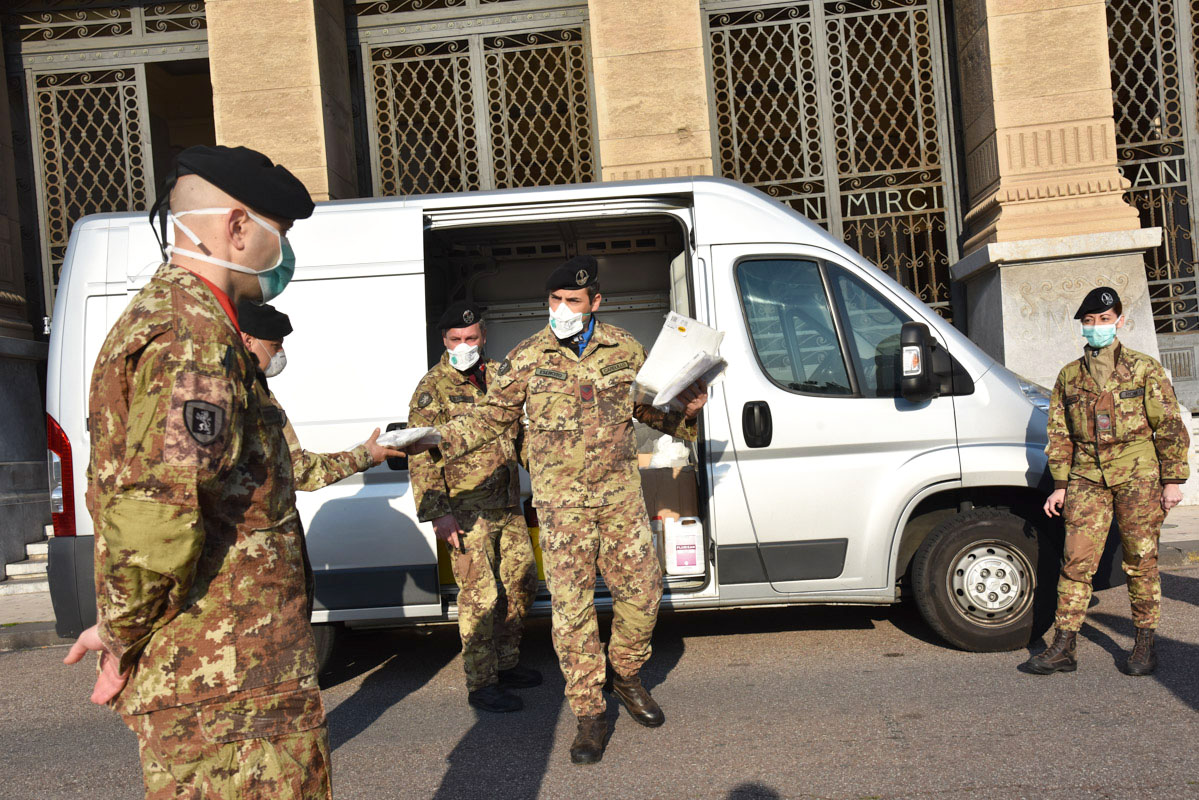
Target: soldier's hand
(378, 452)
(1171, 496)
(694, 398)
(109, 680)
(1053, 505)
(446, 529)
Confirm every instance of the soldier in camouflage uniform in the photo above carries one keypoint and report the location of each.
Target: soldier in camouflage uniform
(574, 381)
(1117, 444)
(474, 505)
(203, 632)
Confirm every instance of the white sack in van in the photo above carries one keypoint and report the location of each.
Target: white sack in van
(406, 436)
(685, 351)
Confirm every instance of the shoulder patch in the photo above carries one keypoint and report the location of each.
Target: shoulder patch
(204, 421)
(617, 367)
(424, 400)
(550, 373)
(505, 367)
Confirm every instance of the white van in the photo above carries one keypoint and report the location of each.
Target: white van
(827, 471)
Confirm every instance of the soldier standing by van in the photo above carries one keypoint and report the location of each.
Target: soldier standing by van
(1117, 443)
(203, 632)
(474, 505)
(263, 328)
(574, 380)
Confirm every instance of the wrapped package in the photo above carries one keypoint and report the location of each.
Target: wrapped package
(405, 436)
(685, 351)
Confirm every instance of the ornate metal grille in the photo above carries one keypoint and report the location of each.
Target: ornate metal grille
(1148, 76)
(91, 136)
(480, 112)
(123, 21)
(839, 109)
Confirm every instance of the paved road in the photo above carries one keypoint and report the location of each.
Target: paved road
(768, 703)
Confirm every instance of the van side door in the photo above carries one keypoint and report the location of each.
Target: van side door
(828, 452)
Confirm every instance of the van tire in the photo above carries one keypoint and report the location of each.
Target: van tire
(325, 634)
(977, 581)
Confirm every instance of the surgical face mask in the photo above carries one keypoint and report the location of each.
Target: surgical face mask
(271, 281)
(564, 322)
(1099, 336)
(464, 356)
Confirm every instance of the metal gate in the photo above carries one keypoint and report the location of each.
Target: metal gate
(1153, 61)
(840, 110)
(506, 105)
(87, 128)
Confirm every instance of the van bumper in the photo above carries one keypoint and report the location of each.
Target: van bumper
(72, 585)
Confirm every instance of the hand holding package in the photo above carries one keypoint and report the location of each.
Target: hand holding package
(399, 439)
(685, 351)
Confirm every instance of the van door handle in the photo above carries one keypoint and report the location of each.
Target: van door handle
(756, 423)
(397, 462)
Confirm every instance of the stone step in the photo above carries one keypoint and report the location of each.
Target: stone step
(33, 566)
(24, 584)
(37, 549)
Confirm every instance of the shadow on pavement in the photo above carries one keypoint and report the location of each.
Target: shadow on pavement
(403, 661)
(753, 791)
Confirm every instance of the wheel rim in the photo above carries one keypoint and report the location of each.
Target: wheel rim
(991, 583)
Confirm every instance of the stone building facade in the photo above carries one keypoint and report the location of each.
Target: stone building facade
(998, 157)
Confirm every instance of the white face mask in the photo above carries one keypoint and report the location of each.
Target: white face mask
(271, 281)
(564, 322)
(277, 364)
(464, 356)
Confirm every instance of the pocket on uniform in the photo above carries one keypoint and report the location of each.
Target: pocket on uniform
(615, 398)
(264, 717)
(1079, 418)
(551, 404)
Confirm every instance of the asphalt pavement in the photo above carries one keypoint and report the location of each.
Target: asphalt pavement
(849, 703)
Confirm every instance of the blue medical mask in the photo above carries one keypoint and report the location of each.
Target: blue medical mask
(271, 281)
(1099, 336)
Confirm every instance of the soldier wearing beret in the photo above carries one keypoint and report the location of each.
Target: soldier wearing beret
(203, 633)
(574, 381)
(1117, 445)
(263, 328)
(473, 502)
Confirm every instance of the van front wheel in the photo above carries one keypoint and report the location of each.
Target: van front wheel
(975, 580)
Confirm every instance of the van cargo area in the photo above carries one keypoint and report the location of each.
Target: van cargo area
(643, 275)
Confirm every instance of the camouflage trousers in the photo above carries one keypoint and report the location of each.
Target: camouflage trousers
(1088, 514)
(261, 744)
(617, 540)
(497, 581)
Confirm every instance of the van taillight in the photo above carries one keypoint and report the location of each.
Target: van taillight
(62, 479)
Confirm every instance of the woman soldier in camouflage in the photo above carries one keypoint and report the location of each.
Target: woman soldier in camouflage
(1117, 443)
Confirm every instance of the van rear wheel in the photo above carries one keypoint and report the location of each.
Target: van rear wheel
(325, 635)
(975, 579)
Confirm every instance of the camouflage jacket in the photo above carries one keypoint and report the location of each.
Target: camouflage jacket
(481, 480)
(580, 444)
(313, 471)
(1128, 428)
(200, 562)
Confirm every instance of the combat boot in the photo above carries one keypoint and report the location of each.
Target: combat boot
(1058, 657)
(494, 699)
(636, 698)
(588, 746)
(519, 678)
(1143, 659)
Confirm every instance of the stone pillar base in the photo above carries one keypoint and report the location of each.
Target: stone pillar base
(1021, 296)
(24, 482)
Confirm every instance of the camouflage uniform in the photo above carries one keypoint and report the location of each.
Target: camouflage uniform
(1112, 447)
(200, 563)
(586, 485)
(313, 471)
(496, 573)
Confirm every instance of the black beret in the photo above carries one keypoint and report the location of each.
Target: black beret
(460, 315)
(578, 273)
(249, 176)
(262, 321)
(1097, 301)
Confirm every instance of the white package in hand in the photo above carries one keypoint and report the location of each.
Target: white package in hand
(406, 436)
(685, 351)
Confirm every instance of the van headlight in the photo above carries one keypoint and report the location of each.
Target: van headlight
(1037, 395)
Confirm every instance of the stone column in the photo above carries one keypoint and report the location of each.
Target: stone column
(1047, 220)
(650, 88)
(280, 84)
(24, 498)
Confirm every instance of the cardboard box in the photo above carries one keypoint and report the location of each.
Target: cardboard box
(670, 492)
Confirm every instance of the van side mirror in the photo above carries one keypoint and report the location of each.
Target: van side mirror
(397, 462)
(926, 370)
